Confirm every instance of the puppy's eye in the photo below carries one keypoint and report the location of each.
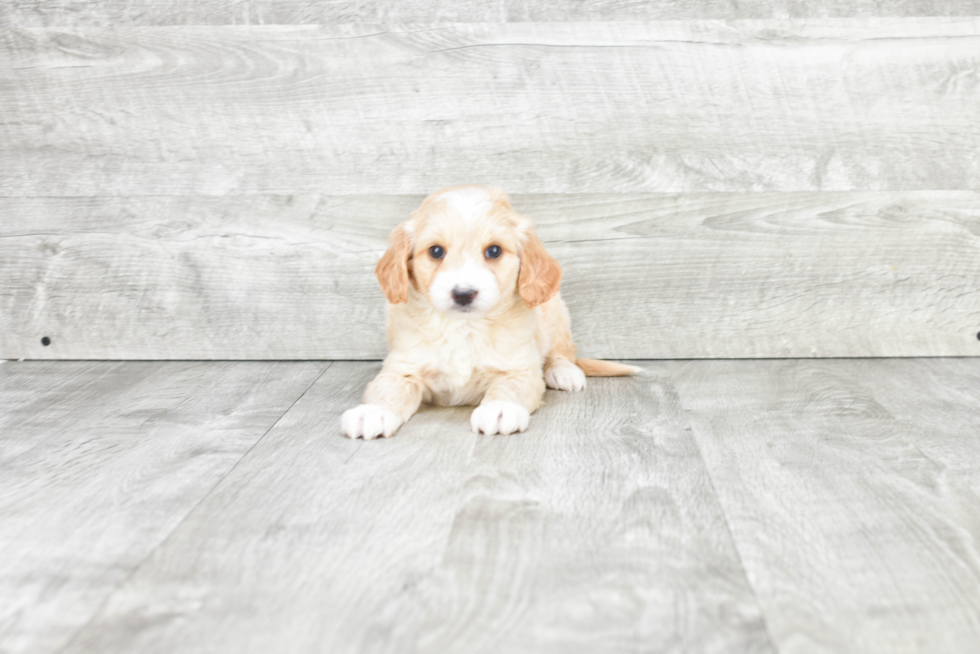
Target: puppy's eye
(437, 252)
(493, 252)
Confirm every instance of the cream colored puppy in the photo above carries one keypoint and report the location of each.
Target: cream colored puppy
(474, 316)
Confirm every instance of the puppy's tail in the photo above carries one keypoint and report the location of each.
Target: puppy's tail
(597, 368)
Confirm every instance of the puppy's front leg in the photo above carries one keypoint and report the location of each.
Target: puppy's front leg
(510, 400)
(389, 401)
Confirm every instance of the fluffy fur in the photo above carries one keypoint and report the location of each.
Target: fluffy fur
(468, 327)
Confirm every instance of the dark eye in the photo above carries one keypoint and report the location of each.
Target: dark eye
(437, 252)
(493, 252)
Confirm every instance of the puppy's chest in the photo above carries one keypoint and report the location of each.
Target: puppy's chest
(456, 358)
(459, 365)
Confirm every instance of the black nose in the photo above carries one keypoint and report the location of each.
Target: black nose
(463, 296)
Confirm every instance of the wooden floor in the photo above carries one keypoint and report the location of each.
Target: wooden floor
(708, 506)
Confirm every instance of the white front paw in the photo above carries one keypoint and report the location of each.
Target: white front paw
(499, 417)
(369, 421)
(568, 377)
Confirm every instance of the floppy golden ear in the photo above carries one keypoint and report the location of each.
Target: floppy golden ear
(540, 274)
(392, 270)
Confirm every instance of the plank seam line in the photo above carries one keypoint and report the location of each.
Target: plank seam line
(205, 496)
(728, 528)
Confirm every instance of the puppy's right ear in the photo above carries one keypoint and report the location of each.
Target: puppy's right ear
(392, 270)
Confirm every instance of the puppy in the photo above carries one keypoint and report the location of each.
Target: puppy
(474, 316)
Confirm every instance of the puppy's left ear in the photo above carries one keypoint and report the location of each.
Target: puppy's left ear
(392, 270)
(540, 275)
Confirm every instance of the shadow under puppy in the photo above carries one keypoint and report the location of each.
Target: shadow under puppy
(474, 316)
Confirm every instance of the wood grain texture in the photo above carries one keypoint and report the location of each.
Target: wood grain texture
(619, 522)
(49, 13)
(851, 491)
(937, 401)
(646, 275)
(195, 278)
(316, 543)
(101, 462)
(755, 105)
(595, 530)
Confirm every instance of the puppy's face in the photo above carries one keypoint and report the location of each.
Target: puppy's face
(466, 250)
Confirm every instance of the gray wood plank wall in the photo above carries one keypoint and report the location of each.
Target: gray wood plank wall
(48, 13)
(799, 181)
(649, 276)
(836, 104)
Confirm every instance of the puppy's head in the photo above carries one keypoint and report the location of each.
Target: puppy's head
(465, 250)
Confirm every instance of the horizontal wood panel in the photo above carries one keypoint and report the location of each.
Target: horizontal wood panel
(48, 13)
(831, 104)
(646, 275)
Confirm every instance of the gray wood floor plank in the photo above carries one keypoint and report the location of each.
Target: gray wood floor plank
(938, 402)
(315, 543)
(703, 274)
(849, 487)
(36, 395)
(851, 496)
(595, 530)
(49, 13)
(669, 106)
(101, 461)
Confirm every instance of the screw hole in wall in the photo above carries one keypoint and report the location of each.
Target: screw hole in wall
(45, 341)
